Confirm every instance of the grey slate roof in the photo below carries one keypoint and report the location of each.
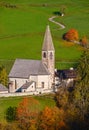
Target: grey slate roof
(26, 85)
(23, 68)
(3, 88)
(48, 43)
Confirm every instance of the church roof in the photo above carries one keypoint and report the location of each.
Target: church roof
(23, 68)
(3, 88)
(48, 43)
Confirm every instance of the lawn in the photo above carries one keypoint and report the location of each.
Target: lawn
(22, 32)
(14, 101)
(22, 28)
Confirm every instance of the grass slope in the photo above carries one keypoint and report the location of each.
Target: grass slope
(14, 101)
(22, 28)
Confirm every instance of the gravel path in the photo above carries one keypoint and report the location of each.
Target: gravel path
(53, 21)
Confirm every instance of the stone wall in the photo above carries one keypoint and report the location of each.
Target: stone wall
(24, 93)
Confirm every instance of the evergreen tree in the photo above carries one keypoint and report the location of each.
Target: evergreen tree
(81, 92)
(11, 114)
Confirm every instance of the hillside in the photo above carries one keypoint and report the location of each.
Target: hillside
(23, 23)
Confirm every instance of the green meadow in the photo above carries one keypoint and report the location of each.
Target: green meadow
(22, 29)
(5, 103)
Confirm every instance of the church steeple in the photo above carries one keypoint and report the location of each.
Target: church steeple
(48, 43)
(48, 53)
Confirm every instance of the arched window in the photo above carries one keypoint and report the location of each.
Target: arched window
(44, 54)
(15, 84)
(42, 84)
(51, 55)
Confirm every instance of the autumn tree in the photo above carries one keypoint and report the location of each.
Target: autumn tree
(64, 99)
(62, 96)
(27, 113)
(51, 119)
(10, 126)
(80, 95)
(71, 35)
(76, 103)
(1, 126)
(84, 41)
(3, 76)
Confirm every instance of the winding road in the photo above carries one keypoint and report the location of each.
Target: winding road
(57, 23)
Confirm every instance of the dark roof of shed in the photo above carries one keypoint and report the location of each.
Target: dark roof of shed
(3, 88)
(65, 74)
(23, 68)
(26, 85)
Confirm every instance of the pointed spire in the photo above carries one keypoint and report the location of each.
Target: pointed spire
(48, 43)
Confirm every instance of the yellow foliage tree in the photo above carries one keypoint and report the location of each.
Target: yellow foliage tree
(51, 119)
(3, 76)
(84, 41)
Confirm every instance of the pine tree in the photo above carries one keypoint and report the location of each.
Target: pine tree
(81, 92)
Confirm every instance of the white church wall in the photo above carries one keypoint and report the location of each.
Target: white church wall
(3, 92)
(43, 81)
(16, 83)
(33, 78)
(40, 79)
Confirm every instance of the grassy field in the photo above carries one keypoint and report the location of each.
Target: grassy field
(22, 32)
(22, 28)
(14, 101)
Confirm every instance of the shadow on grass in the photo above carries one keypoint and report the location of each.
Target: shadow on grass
(57, 13)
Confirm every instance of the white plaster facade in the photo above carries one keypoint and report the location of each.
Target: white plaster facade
(3, 92)
(41, 82)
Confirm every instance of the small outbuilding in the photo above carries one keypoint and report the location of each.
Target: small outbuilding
(66, 76)
(3, 89)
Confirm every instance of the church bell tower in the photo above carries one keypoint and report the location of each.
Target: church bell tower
(48, 53)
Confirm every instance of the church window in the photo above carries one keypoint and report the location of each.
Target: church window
(15, 84)
(26, 81)
(42, 84)
(51, 55)
(44, 54)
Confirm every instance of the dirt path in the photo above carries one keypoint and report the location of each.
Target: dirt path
(53, 21)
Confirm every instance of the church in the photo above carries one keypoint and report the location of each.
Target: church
(35, 76)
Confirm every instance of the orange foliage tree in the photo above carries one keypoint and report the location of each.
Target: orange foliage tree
(71, 35)
(51, 119)
(84, 41)
(26, 115)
